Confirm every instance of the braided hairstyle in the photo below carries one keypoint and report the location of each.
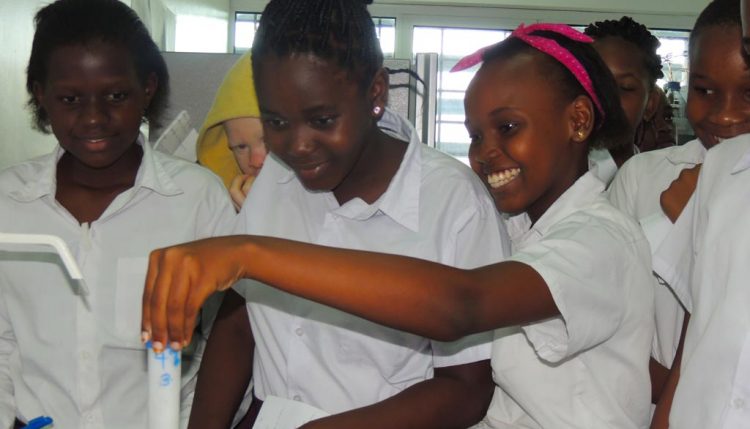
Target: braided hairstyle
(77, 22)
(337, 30)
(718, 13)
(635, 33)
(606, 134)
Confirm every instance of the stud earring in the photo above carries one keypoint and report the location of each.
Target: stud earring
(581, 134)
(376, 110)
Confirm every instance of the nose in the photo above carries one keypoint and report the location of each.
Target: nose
(482, 151)
(93, 112)
(730, 111)
(300, 142)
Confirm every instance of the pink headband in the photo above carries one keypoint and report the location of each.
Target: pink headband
(549, 47)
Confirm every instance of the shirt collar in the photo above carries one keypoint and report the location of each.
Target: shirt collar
(692, 152)
(151, 175)
(586, 189)
(401, 200)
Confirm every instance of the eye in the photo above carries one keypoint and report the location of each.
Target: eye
(627, 88)
(274, 123)
(117, 97)
(240, 147)
(703, 90)
(507, 128)
(69, 99)
(323, 121)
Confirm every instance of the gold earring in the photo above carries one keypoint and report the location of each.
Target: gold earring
(581, 134)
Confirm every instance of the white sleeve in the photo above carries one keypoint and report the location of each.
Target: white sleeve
(656, 228)
(623, 189)
(575, 261)
(8, 346)
(481, 239)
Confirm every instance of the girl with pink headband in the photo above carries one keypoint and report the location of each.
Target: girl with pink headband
(571, 309)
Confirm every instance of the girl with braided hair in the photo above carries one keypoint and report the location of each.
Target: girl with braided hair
(571, 308)
(629, 50)
(346, 171)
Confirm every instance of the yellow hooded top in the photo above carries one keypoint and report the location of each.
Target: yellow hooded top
(235, 99)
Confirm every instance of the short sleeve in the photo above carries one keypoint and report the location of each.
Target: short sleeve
(575, 260)
(623, 189)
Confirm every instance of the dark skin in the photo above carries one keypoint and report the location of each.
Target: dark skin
(418, 296)
(626, 63)
(94, 101)
(321, 123)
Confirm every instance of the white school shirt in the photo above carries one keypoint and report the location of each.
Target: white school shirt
(85, 366)
(707, 261)
(588, 367)
(602, 165)
(636, 191)
(435, 208)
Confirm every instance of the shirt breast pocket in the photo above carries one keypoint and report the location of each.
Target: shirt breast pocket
(131, 277)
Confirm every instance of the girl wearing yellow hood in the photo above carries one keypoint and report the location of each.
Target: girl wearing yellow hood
(230, 142)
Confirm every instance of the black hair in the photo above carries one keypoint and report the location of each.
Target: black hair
(74, 22)
(718, 13)
(338, 30)
(635, 33)
(609, 132)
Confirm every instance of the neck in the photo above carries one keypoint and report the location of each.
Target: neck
(121, 173)
(374, 170)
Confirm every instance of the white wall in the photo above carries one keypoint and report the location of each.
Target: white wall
(17, 140)
(630, 6)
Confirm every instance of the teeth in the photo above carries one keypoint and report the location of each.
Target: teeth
(502, 178)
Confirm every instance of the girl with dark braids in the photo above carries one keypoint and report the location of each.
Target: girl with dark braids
(345, 171)
(629, 50)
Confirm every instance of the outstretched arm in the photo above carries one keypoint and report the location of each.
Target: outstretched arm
(413, 295)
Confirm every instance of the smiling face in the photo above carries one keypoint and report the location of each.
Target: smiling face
(525, 145)
(316, 118)
(94, 101)
(718, 104)
(627, 65)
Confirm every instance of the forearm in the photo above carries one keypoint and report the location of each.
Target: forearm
(226, 368)
(664, 406)
(441, 402)
(414, 295)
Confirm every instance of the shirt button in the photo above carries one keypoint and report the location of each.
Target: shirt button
(299, 332)
(297, 398)
(738, 403)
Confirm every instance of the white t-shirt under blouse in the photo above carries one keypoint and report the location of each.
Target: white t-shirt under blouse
(82, 363)
(435, 208)
(588, 367)
(706, 259)
(636, 191)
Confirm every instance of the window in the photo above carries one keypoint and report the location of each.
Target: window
(452, 44)
(246, 24)
(200, 34)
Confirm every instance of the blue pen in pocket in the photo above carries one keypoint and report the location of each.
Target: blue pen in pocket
(39, 423)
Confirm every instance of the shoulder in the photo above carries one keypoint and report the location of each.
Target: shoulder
(442, 171)
(603, 222)
(190, 177)
(26, 173)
